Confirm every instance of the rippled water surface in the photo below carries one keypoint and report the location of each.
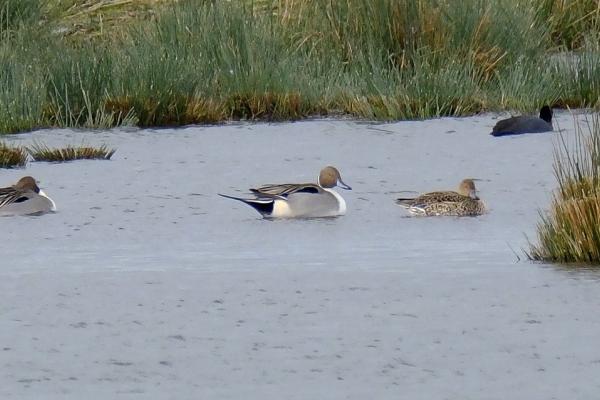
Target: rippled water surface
(147, 283)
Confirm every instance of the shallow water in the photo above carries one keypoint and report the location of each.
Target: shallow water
(146, 283)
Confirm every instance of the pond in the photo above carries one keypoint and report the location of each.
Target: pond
(146, 282)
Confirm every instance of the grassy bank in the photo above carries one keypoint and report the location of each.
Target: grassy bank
(157, 63)
(569, 232)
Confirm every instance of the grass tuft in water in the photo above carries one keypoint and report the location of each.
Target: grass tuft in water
(11, 157)
(569, 232)
(41, 152)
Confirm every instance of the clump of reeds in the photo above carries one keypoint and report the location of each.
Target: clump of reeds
(11, 156)
(570, 231)
(41, 152)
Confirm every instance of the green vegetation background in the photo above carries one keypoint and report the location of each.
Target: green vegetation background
(67, 63)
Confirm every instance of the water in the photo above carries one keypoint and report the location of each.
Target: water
(147, 283)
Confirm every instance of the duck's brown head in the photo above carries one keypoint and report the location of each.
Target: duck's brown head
(330, 177)
(27, 183)
(467, 188)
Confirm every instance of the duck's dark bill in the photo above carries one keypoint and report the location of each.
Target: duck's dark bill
(343, 185)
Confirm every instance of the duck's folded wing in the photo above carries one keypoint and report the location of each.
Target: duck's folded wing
(438, 197)
(10, 195)
(284, 190)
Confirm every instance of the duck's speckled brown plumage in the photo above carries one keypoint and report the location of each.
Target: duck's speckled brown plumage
(467, 207)
(464, 202)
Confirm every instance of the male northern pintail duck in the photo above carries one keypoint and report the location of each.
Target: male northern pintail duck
(462, 203)
(25, 198)
(524, 124)
(305, 200)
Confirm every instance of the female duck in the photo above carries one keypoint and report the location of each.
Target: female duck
(462, 203)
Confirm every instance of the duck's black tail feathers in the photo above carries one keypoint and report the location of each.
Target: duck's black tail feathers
(405, 202)
(263, 206)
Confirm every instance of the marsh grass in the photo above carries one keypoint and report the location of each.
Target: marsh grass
(571, 22)
(41, 152)
(16, 13)
(168, 63)
(570, 231)
(11, 156)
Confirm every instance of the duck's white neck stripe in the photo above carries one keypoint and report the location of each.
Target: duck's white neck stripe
(53, 206)
(340, 200)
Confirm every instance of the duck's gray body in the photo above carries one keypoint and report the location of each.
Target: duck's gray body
(295, 201)
(525, 124)
(304, 200)
(31, 204)
(24, 199)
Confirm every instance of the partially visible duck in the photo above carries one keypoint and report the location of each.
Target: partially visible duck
(464, 202)
(524, 124)
(304, 200)
(24, 198)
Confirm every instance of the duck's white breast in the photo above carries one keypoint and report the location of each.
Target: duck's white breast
(340, 200)
(52, 203)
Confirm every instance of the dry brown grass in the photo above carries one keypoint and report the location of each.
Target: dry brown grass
(12, 156)
(41, 152)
